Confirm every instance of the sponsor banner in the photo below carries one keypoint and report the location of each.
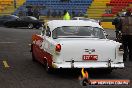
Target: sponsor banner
(110, 82)
(105, 82)
(86, 81)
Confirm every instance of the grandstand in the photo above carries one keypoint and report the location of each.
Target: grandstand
(7, 6)
(98, 9)
(78, 7)
(4, 4)
(117, 6)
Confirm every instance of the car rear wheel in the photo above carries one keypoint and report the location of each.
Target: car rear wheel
(30, 26)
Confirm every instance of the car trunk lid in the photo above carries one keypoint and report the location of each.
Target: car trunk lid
(86, 50)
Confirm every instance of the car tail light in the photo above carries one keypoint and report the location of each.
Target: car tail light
(58, 48)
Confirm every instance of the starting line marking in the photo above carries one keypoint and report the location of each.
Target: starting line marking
(6, 64)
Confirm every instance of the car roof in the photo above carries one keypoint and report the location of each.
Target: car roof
(32, 17)
(9, 16)
(59, 23)
(83, 18)
(78, 18)
(14, 16)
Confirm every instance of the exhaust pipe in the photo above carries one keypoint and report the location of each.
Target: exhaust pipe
(72, 63)
(109, 63)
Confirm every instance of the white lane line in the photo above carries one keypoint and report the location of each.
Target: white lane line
(6, 42)
(29, 44)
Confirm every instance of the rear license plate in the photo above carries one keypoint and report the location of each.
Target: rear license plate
(90, 57)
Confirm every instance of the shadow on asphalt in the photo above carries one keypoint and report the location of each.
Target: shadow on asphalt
(74, 73)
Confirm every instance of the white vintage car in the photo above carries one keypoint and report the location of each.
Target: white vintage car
(76, 44)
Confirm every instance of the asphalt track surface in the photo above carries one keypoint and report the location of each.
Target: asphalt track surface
(17, 70)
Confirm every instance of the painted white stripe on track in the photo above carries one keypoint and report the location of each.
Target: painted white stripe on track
(7, 42)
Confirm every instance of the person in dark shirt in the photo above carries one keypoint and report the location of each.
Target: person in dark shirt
(59, 14)
(48, 13)
(54, 14)
(126, 31)
(73, 14)
(36, 13)
(30, 12)
(117, 23)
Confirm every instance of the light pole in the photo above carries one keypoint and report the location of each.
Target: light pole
(14, 3)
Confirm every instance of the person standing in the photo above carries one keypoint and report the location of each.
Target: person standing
(66, 16)
(117, 23)
(73, 13)
(21, 13)
(59, 13)
(54, 14)
(36, 13)
(30, 12)
(48, 13)
(126, 30)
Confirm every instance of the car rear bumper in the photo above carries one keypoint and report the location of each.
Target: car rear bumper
(88, 65)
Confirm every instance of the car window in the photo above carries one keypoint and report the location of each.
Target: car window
(78, 31)
(11, 17)
(25, 18)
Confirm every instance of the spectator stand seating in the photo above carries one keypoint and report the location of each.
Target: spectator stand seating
(9, 6)
(56, 6)
(4, 4)
(97, 8)
(117, 6)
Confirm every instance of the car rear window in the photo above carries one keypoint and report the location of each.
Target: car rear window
(78, 31)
